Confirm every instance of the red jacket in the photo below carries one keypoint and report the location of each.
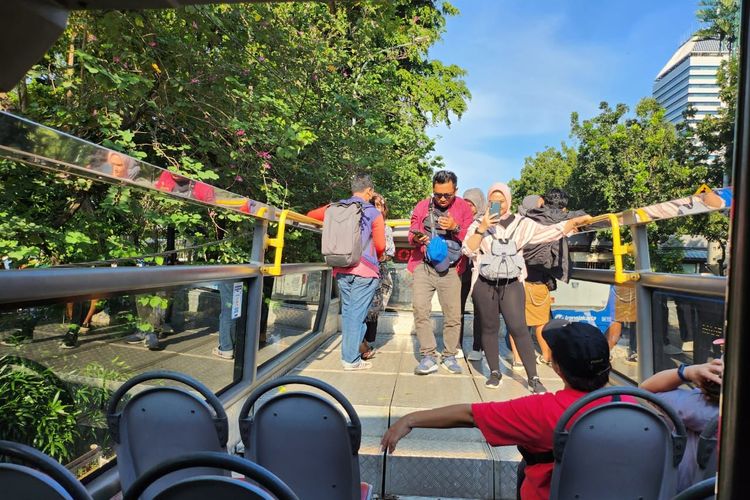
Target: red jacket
(459, 210)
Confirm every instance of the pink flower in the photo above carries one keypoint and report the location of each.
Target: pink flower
(261, 58)
(315, 77)
(239, 178)
(245, 72)
(152, 44)
(116, 59)
(266, 165)
(240, 132)
(264, 154)
(195, 80)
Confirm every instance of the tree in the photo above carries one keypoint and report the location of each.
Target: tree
(279, 102)
(548, 169)
(626, 162)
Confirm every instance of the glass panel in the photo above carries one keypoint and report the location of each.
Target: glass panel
(82, 351)
(685, 327)
(401, 294)
(290, 312)
(611, 308)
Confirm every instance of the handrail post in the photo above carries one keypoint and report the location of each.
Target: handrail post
(254, 305)
(644, 325)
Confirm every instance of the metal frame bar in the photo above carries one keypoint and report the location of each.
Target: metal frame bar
(734, 460)
(35, 286)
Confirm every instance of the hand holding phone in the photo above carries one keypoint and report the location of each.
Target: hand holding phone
(419, 236)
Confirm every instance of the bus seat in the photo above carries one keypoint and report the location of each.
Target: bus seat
(43, 478)
(264, 485)
(706, 454)
(617, 446)
(163, 422)
(704, 490)
(305, 439)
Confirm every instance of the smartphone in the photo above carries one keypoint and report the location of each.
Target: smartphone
(418, 234)
(495, 208)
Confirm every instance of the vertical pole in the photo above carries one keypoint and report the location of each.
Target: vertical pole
(254, 304)
(644, 325)
(734, 459)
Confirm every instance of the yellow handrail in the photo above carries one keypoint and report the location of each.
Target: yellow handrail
(398, 222)
(278, 244)
(618, 248)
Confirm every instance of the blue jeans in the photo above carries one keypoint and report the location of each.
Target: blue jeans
(356, 295)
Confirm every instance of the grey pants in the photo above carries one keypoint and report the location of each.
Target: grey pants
(427, 281)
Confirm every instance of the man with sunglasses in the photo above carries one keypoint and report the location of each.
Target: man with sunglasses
(443, 215)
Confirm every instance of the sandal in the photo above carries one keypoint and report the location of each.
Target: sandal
(369, 354)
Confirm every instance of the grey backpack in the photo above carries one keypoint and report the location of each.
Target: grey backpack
(341, 244)
(504, 262)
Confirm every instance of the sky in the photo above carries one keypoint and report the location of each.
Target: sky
(530, 63)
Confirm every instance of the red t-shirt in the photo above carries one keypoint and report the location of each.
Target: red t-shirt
(528, 422)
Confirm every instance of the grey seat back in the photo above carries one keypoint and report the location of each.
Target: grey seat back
(617, 446)
(264, 485)
(305, 439)
(47, 480)
(164, 422)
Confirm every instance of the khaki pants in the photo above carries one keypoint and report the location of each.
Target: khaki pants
(448, 286)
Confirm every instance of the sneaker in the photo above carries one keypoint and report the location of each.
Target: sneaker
(494, 381)
(357, 365)
(475, 356)
(70, 340)
(518, 366)
(17, 338)
(451, 365)
(151, 341)
(136, 338)
(632, 358)
(541, 361)
(223, 354)
(459, 354)
(536, 386)
(426, 366)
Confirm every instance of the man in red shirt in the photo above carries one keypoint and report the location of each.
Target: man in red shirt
(580, 356)
(443, 215)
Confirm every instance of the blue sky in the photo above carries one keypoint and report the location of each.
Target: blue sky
(531, 63)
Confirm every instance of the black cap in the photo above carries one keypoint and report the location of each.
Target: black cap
(580, 349)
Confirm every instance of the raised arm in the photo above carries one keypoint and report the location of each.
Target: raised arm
(438, 418)
(668, 380)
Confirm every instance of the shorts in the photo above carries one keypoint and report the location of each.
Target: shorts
(538, 303)
(625, 310)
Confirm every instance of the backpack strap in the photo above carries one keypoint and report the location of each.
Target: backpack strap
(517, 221)
(432, 219)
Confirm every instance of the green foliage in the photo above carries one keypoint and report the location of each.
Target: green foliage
(722, 18)
(37, 408)
(279, 102)
(549, 169)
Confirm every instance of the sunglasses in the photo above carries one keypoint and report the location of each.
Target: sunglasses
(443, 195)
